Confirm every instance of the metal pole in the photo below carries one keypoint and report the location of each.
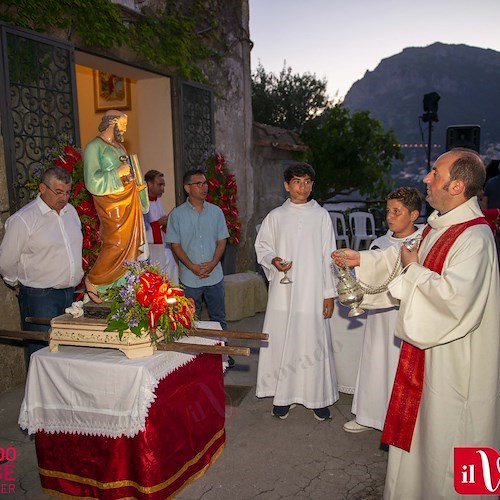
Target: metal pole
(429, 147)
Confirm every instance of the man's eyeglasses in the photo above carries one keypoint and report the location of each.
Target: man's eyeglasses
(198, 184)
(59, 192)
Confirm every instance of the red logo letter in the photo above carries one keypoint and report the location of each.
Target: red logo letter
(477, 471)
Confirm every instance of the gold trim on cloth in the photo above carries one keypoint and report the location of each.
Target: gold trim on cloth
(127, 482)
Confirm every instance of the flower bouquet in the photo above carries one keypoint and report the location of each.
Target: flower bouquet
(222, 191)
(146, 302)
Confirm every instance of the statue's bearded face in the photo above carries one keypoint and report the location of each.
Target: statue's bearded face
(120, 128)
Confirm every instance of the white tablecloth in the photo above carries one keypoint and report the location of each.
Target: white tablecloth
(96, 391)
(347, 336)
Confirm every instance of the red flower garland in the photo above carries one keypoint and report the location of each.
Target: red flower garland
(222, 191)
(68, 157)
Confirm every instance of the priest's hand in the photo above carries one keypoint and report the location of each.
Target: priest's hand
(408, 256)
(346, 255)
(328, 305)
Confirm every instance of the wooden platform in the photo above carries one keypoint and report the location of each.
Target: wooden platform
(89, 332)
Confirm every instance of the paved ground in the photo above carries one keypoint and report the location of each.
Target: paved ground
(265, 458)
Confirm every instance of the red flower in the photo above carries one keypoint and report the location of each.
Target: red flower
(149, 286)
(213, 184)
(68, 159)
(86, 208)
(155, 313)
(78, 188)
(230, 182)
(72, 153)
(87, 242)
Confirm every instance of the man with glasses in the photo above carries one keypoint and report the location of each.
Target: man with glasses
(41, 253)
(197, 233)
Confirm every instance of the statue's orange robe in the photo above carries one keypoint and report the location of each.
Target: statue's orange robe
(120, 207)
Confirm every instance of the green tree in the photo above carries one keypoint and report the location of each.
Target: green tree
(289, 100)
(350, 152)
(178, 34)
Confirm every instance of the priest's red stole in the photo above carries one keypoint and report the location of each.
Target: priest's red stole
(409, 381)
(156, 230)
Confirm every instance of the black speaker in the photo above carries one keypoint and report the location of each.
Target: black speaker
(463, 136)
(431, 101)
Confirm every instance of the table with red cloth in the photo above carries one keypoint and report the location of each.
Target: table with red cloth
(110, 427)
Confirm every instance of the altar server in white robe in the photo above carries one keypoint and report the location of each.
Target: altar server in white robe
(380, 352)
(296, 364)
(452, 316)
(156, 224)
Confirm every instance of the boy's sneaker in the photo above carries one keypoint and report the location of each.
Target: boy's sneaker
(353, 427)
(281, 411)
(322, 414)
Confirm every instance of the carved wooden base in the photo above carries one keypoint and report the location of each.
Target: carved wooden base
(89, 332)
(93, 310)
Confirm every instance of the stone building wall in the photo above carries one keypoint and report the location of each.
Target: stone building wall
(230, 78)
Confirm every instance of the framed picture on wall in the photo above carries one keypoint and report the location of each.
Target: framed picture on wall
(110, 91)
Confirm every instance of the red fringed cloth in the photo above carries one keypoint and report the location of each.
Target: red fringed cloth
(184, 435)
(409, 381)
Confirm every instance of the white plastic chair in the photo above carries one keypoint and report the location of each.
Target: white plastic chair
(339, 229)
(362, 226)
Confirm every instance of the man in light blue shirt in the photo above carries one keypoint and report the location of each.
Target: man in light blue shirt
(197, 233)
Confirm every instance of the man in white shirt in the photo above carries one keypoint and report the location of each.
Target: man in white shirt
(41, 252)
(156, 226)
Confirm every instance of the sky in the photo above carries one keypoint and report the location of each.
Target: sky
(340, 40)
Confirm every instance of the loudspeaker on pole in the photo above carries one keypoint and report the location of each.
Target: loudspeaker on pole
(463, 136)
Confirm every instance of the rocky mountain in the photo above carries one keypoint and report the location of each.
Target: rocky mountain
(467, 80)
